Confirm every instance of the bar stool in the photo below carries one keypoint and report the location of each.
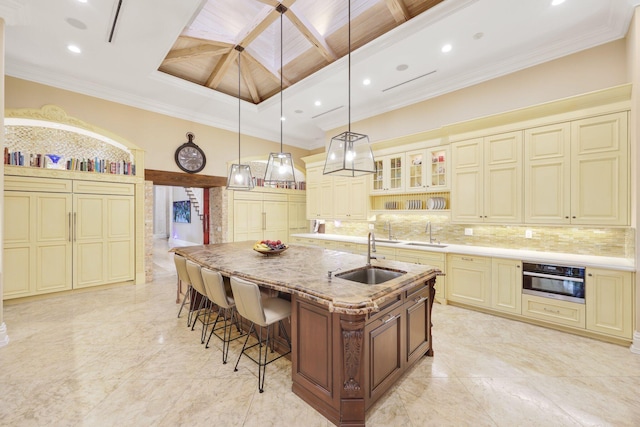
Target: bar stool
(183, 277)
(205, 306)
(214, 285)
(261, 312)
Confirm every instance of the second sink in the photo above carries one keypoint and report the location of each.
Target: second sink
(427, 245)
(370, 275)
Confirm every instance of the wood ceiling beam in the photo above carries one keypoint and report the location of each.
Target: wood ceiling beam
(310, 33)
(399, 10)
(218, 43)
(271, 72)
(181, 179)
(266, 17)
(190, 52)
(273, 3)
(251, 84)
(221, 69)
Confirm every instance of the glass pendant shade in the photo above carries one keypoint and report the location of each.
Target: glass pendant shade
(240, 177)
(349, 155)
(280, 170)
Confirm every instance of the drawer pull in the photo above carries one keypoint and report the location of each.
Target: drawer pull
(419, 300)
(389, 319)
(551, 311)
(467, 259)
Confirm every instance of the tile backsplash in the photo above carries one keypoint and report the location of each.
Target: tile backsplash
(613, 242)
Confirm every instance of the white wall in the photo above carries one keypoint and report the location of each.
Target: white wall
(161, 211)
(181, 233)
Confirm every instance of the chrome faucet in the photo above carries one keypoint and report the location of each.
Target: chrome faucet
(428, 229)
(388, 227)
(371, 237)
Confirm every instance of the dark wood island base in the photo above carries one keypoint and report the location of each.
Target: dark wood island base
(350, 341)
(341, 363)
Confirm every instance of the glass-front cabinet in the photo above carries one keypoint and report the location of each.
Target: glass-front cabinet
(426, 170)
(389, 176)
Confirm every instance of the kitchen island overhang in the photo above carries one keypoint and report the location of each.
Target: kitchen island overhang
(350, 341)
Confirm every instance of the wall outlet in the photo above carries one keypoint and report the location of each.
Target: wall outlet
(468, 231)
(372, 226)
(528, 234)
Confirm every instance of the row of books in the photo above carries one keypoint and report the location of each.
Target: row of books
(52, 161)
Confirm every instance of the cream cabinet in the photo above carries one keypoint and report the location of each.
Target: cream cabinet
(297, 215)
(389, 176)
(435, 259)
(319, 194)
(578, 172)
(350, 197)
(487, 179)
(258, 216)
(427, 170)
(609, 302)
(506, 285)
(469, 280)
(63, 234)
(554, 311)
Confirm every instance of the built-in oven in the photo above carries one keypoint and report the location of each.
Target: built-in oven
(553, 281)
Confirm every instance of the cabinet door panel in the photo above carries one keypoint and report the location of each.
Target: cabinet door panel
(89, 218)
(384, 347)
(90, 264)
(506, 285)
(276, 220)
(503, 178)
(121, 238)
(466, 196)
(609, 300)
(418, 321)
(17, 218)
(17, 272)
(247, 220)
(469, 280)
(54, 250)
(54, 268)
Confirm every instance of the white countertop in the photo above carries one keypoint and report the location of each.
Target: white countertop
(576, 260)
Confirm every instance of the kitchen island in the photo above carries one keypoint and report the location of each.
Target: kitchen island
(350, 341)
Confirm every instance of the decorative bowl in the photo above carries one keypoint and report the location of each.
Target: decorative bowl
(271, 251)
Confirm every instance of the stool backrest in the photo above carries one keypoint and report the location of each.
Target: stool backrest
(181, 268)
(196, 277)
(248, 300)
(214, 285)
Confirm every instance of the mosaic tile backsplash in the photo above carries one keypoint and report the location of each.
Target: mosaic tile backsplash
(614, 242)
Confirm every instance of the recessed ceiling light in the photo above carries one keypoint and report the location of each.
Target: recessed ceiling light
(73, 48)
(76, 23)
(317, 103)
(556, 2)
(402, 67)
(283, 118)
(83, 1)
(446, 48)
(366, 82)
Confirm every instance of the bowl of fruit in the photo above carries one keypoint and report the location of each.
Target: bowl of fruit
(270, 247)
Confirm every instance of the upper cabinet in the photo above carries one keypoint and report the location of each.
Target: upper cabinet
(578, 172)
(427, 170)
(350, 197)
(319, 194)
(390, 174)
(487, 179)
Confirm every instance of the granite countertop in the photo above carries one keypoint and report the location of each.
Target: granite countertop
(302, 270)
(623, 264)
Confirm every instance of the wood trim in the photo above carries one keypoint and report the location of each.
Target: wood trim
(190, 52)
(399, 10)
(310, 33)
(181, 179)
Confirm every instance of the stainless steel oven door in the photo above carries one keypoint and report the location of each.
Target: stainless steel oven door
(552, 286)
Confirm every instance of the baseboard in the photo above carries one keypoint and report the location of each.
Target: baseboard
(635, 345)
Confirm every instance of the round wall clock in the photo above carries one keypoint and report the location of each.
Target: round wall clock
(189, 157)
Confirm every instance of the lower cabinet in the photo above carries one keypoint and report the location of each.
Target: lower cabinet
(506, 285)
(435, 259)
(469, 280)
(554, 311)
(609, 302)
(63, 234)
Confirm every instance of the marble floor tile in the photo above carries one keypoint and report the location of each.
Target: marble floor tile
(122, 357)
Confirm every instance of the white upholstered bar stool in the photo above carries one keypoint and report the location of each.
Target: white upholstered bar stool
(214, 285)
(261, 312)
(205, 306)
(183, 278)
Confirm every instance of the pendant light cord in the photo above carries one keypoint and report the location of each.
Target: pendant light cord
(349, 66)
(281, 78)
(239, 56)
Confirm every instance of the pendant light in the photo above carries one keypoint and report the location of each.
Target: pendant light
(280, 170)
(239, 175)
(349, 152)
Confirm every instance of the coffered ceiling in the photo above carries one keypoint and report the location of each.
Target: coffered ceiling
(177, 57)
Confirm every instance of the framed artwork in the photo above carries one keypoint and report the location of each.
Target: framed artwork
(182, 211)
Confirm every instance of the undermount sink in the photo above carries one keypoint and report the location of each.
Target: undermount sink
(370, 275)
(427, 245)
(387, 241)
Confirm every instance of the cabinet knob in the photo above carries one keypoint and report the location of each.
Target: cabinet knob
(573, 217)
(566, 217)
(590, 275)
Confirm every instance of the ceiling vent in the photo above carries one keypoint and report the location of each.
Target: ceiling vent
(409, 81)
(327, 112)
(116, 14)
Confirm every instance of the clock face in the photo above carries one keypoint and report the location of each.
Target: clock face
(190, 158)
